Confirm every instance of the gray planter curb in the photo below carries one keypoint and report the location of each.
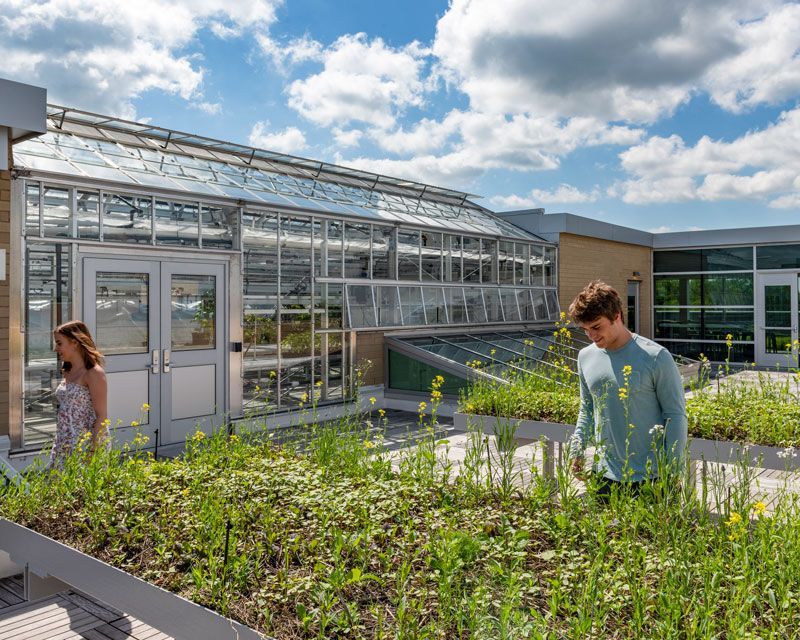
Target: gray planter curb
(718, 451)
(159, 608)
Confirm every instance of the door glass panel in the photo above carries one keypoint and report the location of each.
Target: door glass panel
(193, 304)
(778, 305)
(122, 312)
(777, 341)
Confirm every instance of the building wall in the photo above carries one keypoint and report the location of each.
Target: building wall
(369, 346)
(582, 259)
(5, 289)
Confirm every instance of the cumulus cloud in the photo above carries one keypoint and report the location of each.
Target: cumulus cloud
(761, 164)
(290, 140)
(362, 81)
(100, 54)
(284, 55)
(563, 194)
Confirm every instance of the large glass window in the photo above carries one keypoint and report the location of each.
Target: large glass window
(408, 255)
(471, 248)
(677, 290)
(335, 234)
(388, 307)
(456, 305)
(216, 227)
(128, 219)
(431, 256)
(717, 259)
(56, 220)
(435, 310)
(32, 196)
(526, 311)
(411, 306)
(87, 214)
(361, 306)
(177, 223)
(494, 308)
(521, 271)
(488, 261)
(505, 261)
(708, 290)
(452, 258)
(357, 249)
(47, 304)
(383, 253)
(782, 256)
(476, 311)
(550, 266)
(537, 266)
(509, 301)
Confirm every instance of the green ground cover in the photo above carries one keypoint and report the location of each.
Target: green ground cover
(757, 408)
(327, 540)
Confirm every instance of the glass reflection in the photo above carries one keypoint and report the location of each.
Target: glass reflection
(122, 312)
(193, 301)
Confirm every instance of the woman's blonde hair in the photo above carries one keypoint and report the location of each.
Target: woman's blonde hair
(78, 331)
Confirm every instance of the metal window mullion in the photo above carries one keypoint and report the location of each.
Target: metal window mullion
(444, 304)
(485, 308)
(374, 304)
(419, 260)
(101, 212)
(279, 360)
(199, 224)
(313, 305)
(73, 212)
(370, 266)
(152, 220)
(41, 209)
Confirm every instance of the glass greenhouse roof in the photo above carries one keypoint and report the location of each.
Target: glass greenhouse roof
(129, 153)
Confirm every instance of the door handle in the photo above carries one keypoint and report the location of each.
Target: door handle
(154, 361)
(166, 360)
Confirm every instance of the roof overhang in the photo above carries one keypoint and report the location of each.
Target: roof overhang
(23, 115)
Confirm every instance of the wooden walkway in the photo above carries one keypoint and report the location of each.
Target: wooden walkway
(65, 616)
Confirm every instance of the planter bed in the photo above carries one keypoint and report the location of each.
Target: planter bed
(701, 449)
(51, 561)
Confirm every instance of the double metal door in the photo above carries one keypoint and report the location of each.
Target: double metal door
(161, 326)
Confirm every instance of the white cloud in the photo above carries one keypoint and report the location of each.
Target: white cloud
(761, 164)
(296, 51)
(662, 229)
(211, 108)
(622, 60)
(346, 138)
(362, 81)
(100, 54)
(563, 194)
(290, 140)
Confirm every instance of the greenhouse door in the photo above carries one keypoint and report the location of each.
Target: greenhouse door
(160, 325)
(776, 318)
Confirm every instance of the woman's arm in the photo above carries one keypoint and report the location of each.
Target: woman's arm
(98, 390)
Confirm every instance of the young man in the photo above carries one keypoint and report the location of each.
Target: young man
(632, 402)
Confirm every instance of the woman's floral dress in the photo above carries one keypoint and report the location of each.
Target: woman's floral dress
(76, 417)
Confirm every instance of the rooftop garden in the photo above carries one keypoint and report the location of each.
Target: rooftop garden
(726, 403)
(330, 536)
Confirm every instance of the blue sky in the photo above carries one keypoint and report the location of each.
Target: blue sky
(664, 115)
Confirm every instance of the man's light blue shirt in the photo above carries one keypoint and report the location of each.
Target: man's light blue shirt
(627, 428)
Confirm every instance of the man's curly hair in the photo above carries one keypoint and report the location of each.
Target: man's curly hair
(596, 300)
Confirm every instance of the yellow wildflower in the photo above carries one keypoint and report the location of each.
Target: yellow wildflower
(436, 395)
(627, 370)
(134, 423)
(439, 380)
(729, 336)
(381, 412)
(623, 393)
(198, 435)
(319, 383)
(145, 407)
(734, 519)
(423, 406)
(272, 374)
(372, 400)
(258, 388)
(759, 508)
(368, 444)
(303, 396)
(106, 423)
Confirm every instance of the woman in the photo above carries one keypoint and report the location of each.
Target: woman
(82, 394)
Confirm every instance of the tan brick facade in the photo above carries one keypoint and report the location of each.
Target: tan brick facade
(369, 346)
(582, 259)
(5, 289)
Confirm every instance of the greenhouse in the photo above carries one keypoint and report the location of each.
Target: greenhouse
(222, 280)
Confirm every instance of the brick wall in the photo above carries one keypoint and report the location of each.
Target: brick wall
(582, 259)
(369, 346)
(5, 289)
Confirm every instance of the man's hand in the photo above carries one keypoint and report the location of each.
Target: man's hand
(577, 466)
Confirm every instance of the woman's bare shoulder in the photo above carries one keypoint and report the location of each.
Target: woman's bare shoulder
(96, 373)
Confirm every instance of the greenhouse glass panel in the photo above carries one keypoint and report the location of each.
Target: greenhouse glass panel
(408, 256)
(552, 304)
(335, 254)
(431, 252)
(408, 374)
(32, 208)
(127, 219)
(411, 306)
(88, 214)
(494, 308)
(295, 236)
(488, 261)
(526, 311)
(505, 260)
(383, 253)
(47, 303)
(539, 304)
(509, 301)
(388, 307)
(361, 306)
(537, 272)
(456, 305)
(356, 250)
(297, 362)
(476, 311)
(550, 266)
(330, 299)
(216, 226)
(56, 219)
(435, 310)
(521, 270)
(471, 248)
(452, 258)
(177, 224)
